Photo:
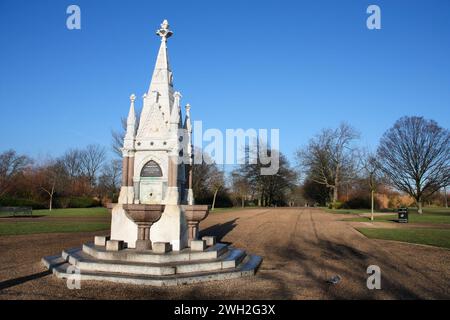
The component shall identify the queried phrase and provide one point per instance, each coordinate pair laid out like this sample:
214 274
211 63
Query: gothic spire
159 101
131 125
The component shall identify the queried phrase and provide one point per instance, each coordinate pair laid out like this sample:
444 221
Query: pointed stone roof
159 100
131 125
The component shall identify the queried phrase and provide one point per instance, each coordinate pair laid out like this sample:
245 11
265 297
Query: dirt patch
302 249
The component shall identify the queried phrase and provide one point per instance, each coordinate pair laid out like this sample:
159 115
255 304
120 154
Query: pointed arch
151 169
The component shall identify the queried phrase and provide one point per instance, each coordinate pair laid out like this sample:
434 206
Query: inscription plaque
151 169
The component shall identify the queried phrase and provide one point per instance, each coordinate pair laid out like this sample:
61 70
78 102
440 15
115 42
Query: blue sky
298 66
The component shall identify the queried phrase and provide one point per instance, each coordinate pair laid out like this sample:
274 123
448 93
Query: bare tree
329 158
117 138
241 187
371 169
109 180
92 159
208 180
50 178
216 181
72 162
414 155
11 164
270 189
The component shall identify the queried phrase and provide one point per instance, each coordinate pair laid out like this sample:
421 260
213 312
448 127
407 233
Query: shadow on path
14 282
219 230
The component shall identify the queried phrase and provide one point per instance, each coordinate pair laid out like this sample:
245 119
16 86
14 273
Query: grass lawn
347 211
16 228
75 212
430 215
433 237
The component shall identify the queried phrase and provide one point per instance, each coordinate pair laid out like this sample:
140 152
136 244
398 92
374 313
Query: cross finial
164 31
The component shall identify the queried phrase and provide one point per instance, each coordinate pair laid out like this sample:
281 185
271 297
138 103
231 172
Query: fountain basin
194 214
144 215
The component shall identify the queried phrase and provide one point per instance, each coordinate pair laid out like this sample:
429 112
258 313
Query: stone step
85 262
132 255
231 259
247 267
51 262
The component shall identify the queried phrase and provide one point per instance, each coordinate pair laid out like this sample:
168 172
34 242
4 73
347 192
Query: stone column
173 172
172 181
130 171
125 171
123 196
190 195
190 176
130 174
192 231
143 242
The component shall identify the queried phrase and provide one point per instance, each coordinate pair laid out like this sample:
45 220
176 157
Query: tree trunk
372 202
335 194
336 185
419 206
445 197
243 202
51 202
214 199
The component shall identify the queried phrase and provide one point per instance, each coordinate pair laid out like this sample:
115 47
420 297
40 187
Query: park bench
16 211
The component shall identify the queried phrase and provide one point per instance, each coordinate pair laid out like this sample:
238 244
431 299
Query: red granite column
173 172
125 171
190 176
130 171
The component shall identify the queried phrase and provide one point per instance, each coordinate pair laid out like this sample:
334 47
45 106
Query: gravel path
302 248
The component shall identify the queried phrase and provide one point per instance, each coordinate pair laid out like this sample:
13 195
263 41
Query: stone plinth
161 247
114 245
101 240
198 245
210 240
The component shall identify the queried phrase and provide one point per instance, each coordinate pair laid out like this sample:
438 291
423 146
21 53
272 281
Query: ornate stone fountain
155 224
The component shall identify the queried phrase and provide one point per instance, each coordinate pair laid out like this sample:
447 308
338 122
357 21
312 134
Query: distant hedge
83 202
75 202
18 202
357 203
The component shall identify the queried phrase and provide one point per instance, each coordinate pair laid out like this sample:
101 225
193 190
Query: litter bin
403 215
